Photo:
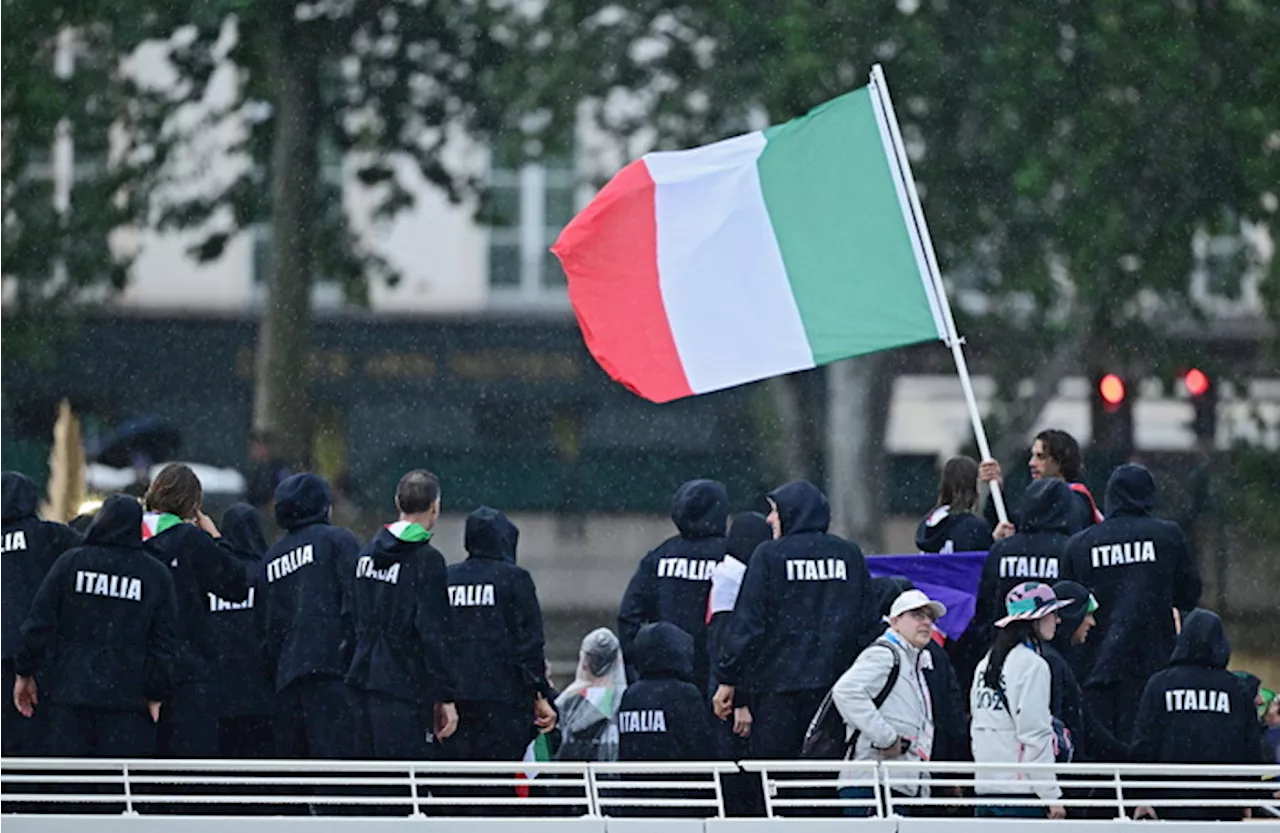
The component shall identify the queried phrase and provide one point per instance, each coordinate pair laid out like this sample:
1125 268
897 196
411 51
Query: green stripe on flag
834 208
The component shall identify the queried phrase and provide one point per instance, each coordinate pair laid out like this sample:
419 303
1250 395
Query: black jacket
663 716
102 630
1033 553
941 531
200 567
400 611
1139 568
1195 711
1080 514
496 633
749 530
246 686
672 581
806 607
305 585
28 549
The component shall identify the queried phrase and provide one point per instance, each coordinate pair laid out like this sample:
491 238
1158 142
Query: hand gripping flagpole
923 243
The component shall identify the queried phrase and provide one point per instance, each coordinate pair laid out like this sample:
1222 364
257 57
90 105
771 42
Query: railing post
716 774
766 790
1115 774
413 791
593 798
128 792
882 792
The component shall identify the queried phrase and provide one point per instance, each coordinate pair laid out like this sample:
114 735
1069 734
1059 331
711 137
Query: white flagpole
902 166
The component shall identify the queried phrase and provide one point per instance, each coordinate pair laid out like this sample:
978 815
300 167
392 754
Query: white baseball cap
914 600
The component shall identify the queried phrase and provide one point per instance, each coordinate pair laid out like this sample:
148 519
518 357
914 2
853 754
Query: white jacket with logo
907 712
1025 736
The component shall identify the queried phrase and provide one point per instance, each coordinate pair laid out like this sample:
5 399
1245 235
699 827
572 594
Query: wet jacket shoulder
101 631
497 620
663 716
400 613
1034 553
29 547
246 686
806 607
672 581
306 578
200 567
1134 564
942 531
1195 711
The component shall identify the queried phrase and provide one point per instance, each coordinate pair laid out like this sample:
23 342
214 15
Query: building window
528 206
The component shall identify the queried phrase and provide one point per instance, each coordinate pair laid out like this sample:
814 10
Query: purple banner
951 579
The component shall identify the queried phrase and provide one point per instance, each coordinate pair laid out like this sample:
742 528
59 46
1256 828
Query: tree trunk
858 393
280 393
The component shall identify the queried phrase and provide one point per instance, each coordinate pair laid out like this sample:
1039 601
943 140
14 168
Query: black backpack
825 737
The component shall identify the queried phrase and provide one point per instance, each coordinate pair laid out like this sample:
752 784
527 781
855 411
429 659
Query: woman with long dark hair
952 526
1012 722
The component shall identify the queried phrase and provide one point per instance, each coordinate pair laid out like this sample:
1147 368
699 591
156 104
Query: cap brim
938 609
1031 616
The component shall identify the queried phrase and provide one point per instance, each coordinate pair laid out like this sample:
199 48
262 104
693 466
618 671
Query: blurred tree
1067 153
276 85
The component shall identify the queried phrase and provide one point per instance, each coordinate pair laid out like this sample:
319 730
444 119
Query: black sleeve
526 631
1100 743
346 555
868 608
742 638
217 570
639 604
162 641
1187 585
61 538
431 620
987 606
699 742
977 536
1145 746
36 635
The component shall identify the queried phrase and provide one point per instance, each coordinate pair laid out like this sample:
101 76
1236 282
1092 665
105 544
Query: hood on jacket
748 531
700 508
885 589
301 500
1047 506
1073 614
663 650
491 534
802 507
396 540
118 523
242 529
1131 490
20 496
1202 642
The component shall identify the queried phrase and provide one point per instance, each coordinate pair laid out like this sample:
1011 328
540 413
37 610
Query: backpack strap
889 682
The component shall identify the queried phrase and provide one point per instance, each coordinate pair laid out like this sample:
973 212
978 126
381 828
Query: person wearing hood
673 580
246 696
497 633
663 716
805 612
1093 741
29 547
1140 569
951 526
177 532
101 635
1196 712
747 532
401 674
304 621
588 707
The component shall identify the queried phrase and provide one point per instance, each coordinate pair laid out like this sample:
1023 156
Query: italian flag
153 523
760 255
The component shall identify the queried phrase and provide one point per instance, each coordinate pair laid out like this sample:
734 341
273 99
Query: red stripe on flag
610 256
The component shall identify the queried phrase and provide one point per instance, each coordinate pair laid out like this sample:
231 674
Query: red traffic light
1111 389
1196 381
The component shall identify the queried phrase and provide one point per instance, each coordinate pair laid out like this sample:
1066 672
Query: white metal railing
33 786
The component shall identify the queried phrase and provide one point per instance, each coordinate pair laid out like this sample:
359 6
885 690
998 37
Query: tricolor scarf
153 523
409 532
